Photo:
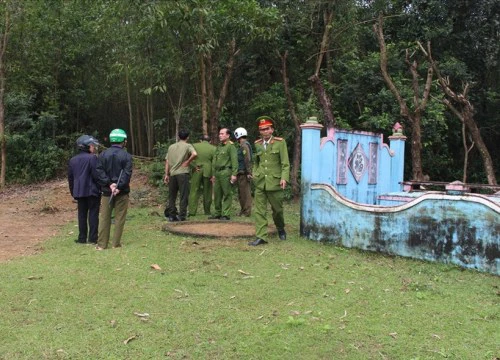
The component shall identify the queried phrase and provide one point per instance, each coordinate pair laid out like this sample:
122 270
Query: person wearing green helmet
114 171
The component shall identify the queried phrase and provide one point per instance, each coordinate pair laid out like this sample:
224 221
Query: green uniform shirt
176 155
225 159
205 152
271 164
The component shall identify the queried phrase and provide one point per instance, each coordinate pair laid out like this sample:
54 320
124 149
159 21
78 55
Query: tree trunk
130 117
466 114
204 100
139 127
324 100
3 144
317 86
481 146
205 126
216 107
177 109
297 147
212 121
227 77
413 120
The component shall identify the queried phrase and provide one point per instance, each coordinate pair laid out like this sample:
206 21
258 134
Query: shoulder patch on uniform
230 142
278 138
259 141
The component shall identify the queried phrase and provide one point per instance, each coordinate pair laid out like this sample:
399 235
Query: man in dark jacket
114 171
82 179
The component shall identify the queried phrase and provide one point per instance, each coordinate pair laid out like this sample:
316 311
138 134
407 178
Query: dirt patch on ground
214 229
32 214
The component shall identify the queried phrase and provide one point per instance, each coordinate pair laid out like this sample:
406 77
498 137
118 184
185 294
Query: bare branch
378 29
324 41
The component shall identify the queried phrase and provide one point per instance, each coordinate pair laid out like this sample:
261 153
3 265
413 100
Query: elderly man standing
224 170
200 177
82 180
114 172
271 174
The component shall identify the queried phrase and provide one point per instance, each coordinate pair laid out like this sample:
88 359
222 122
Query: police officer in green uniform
271 174
200 177
224 169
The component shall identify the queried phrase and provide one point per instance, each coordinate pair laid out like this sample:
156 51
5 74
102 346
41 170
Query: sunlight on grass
221 299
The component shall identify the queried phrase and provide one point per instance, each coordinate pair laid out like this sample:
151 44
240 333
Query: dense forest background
69 67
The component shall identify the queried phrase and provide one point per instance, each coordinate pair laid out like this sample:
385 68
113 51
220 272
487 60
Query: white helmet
240 132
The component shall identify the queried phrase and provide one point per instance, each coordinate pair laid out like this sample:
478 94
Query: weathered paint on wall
462 229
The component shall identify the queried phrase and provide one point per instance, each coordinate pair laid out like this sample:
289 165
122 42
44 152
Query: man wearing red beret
270 176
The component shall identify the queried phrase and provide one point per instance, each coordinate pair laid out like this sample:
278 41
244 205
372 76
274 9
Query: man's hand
166 178
283 184
114 189
233 179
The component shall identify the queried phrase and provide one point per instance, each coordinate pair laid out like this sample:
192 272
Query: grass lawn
221 299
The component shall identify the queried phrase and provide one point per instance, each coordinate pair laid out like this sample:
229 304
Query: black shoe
257 242
214 217
173 218
93 242
181 218
225 218
80 242
282 234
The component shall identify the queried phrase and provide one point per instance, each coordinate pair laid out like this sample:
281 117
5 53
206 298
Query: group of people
205 169
101 184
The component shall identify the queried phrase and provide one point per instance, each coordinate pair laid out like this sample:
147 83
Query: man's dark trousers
88 213
178 184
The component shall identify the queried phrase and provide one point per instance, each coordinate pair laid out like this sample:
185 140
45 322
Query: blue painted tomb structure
353 195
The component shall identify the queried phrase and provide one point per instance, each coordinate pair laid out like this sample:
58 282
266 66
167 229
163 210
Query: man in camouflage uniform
244 172
224 169
200 177
271 174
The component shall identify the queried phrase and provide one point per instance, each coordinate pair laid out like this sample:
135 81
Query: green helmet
117 136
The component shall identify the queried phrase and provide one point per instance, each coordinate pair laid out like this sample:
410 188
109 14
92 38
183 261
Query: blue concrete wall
382 166
458 229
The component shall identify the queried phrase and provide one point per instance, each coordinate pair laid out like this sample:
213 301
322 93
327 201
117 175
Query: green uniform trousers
120 206
200 185
275 198
223 193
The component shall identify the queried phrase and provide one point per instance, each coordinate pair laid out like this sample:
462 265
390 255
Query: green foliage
32 159
32 150
69 60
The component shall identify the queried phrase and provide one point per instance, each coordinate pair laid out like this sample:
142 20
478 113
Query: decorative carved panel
373 165
342 162
358 163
